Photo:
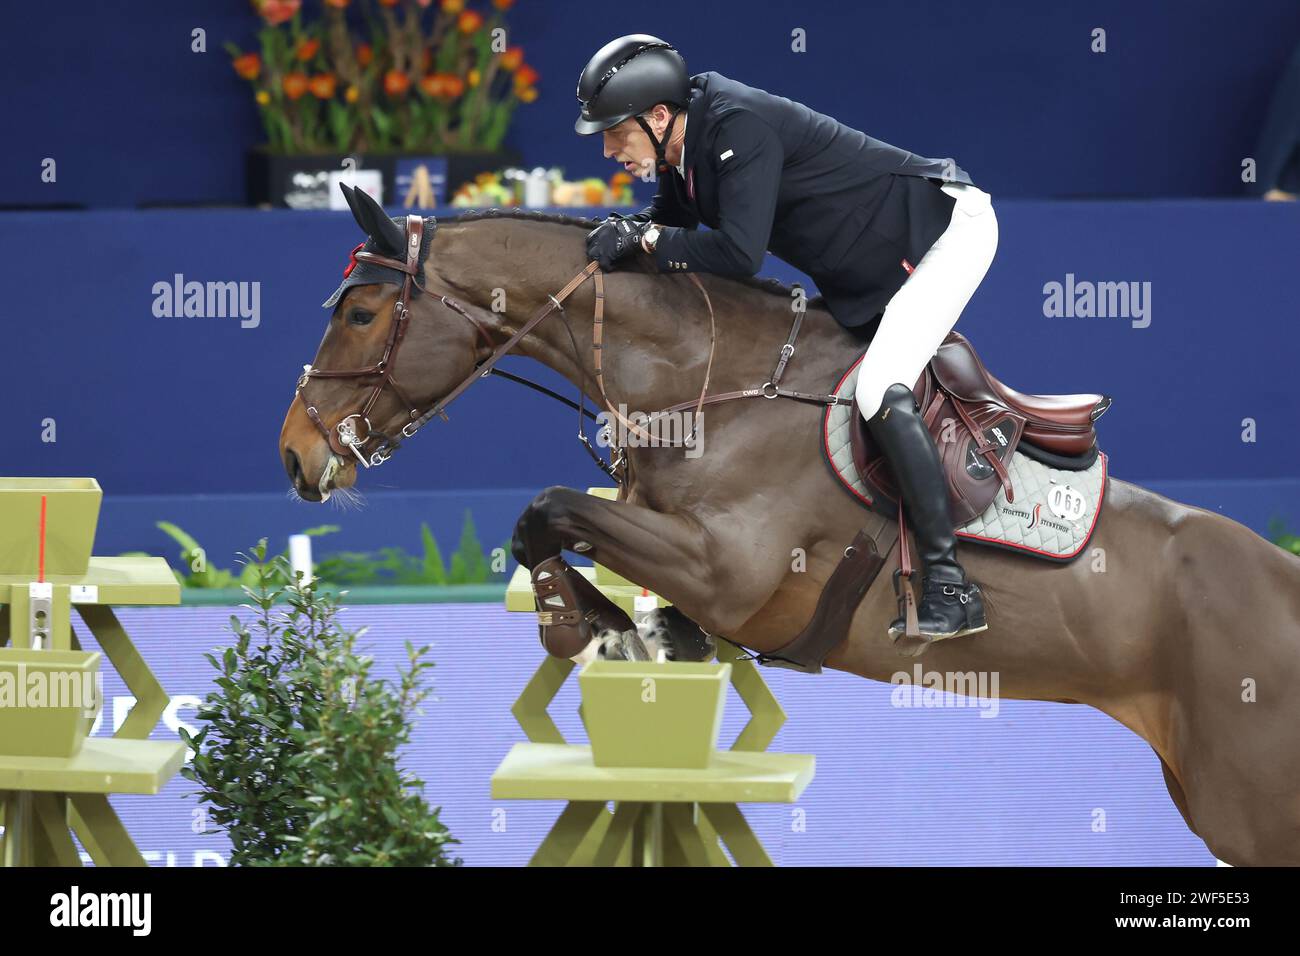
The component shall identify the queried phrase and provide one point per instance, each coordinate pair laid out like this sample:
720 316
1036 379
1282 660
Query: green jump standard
662 815
46 799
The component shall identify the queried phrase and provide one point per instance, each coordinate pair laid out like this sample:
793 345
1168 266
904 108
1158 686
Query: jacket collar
694 121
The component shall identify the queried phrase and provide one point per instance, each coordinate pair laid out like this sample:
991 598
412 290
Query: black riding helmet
625 78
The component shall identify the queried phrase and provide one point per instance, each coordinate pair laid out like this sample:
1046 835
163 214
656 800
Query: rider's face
628 143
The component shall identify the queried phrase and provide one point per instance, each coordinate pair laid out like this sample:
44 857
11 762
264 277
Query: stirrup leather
906 601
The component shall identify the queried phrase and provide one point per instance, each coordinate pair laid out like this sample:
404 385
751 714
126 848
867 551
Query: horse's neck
562 340
654 347
656 330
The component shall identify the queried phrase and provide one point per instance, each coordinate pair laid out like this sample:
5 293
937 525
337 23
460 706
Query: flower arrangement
426 75
494 189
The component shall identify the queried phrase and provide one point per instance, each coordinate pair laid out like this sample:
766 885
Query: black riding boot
950 605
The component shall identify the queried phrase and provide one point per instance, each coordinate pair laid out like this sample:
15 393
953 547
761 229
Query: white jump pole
300 555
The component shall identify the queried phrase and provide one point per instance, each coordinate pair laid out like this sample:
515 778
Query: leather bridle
345 439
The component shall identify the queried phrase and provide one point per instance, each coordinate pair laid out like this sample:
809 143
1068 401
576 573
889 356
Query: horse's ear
350 195
388 234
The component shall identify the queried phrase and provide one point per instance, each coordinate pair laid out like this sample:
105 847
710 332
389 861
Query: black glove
615 238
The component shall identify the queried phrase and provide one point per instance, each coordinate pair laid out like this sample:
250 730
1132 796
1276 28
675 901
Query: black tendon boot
950 605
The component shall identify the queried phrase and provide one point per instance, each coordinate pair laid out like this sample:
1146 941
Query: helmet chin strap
661 162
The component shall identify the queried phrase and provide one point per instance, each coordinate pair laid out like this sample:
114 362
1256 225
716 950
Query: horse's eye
360 317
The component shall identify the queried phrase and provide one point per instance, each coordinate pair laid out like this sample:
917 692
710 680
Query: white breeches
924 310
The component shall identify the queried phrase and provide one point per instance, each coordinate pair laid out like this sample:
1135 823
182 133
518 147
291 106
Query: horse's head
394 348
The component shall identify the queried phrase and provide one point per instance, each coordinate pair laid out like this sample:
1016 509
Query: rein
345 437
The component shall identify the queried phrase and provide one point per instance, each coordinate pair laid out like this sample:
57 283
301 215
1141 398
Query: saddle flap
973 482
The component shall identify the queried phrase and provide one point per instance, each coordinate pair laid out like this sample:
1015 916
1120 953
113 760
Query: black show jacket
768 173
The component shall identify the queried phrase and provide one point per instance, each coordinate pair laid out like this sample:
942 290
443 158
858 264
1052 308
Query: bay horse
1179 623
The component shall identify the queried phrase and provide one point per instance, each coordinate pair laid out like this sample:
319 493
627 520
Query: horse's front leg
665 553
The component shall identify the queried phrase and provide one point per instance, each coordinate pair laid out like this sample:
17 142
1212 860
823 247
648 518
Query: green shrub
297 758
1281 537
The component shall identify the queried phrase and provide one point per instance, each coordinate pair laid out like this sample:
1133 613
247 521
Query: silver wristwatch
650 237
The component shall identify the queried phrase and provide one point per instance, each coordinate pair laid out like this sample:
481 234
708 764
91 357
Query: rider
888 236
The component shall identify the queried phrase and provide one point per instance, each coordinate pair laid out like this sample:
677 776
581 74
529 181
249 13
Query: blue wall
1009 89
184 405
958 785
179 418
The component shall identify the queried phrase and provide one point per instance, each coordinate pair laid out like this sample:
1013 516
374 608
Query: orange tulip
503 4
470 20
352 94
389 3
364 54
322 86
295 85
511 59
453 6
447 85
473 77
396 83
307 49
620 179
337 4
527 94
276 12
248 66
525 75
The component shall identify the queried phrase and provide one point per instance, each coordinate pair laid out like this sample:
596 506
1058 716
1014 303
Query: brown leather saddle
978 422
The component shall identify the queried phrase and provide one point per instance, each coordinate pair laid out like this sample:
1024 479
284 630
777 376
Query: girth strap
844 590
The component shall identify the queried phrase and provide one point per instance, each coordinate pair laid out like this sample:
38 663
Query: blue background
179 418
1010 89
83 346
894 785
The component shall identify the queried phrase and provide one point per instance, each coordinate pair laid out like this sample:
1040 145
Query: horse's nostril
292 466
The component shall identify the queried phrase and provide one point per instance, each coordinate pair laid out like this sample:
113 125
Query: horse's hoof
671 632
622 646
609 646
